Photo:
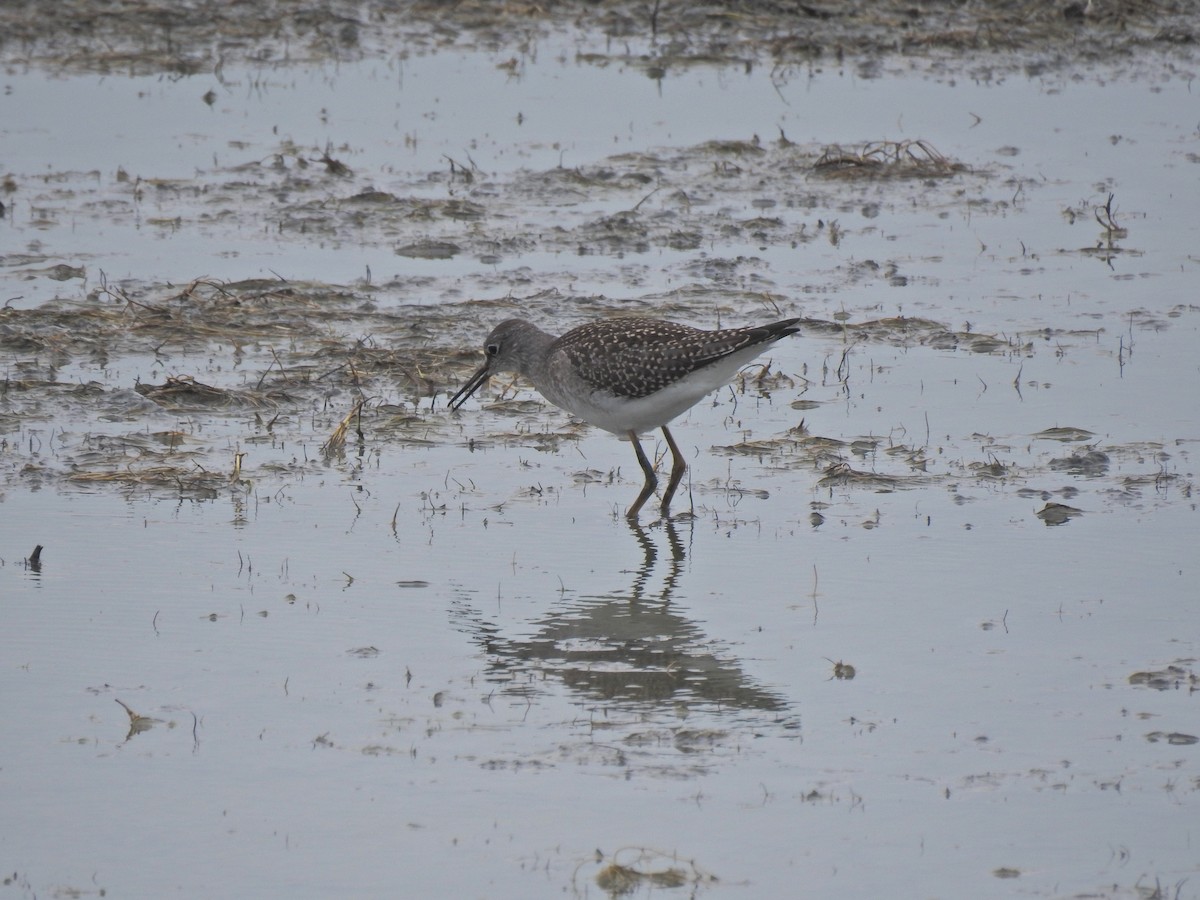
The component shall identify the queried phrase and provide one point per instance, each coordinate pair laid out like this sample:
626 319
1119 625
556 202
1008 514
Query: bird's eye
492 349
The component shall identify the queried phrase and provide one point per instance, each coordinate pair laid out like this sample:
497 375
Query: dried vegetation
149 36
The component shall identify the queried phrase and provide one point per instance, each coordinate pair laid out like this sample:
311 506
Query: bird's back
635 374
636 357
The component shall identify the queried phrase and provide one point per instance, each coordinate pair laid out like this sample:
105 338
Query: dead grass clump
1057 513
183 392
337 440
632 868
841 474
886 159
198 484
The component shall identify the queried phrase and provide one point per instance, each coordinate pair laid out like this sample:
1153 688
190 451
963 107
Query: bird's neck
534 346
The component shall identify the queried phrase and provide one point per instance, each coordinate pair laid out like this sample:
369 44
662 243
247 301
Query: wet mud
279 359
140 37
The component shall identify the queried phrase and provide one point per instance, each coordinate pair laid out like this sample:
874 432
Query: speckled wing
637 357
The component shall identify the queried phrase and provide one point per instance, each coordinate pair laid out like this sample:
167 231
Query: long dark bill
474 383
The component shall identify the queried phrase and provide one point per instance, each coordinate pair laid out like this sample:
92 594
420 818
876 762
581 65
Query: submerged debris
1172 677
633 868
843 671
1093 463
1058 513
1064 433
430 250
1177 738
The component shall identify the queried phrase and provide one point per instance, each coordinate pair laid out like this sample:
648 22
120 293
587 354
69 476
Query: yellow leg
651 480
678 467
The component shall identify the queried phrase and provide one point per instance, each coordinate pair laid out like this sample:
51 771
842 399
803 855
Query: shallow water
449 667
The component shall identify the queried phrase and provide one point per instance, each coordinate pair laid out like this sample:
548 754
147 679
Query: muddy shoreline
137 38
285 349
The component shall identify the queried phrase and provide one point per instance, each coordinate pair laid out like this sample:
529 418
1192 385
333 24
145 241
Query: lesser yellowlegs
625 375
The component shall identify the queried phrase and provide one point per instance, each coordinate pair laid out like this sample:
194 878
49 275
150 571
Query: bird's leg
678 467
651 480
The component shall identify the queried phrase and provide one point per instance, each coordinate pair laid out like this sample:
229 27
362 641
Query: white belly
623 414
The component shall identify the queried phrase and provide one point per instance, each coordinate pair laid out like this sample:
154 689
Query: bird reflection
650 557
626 648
